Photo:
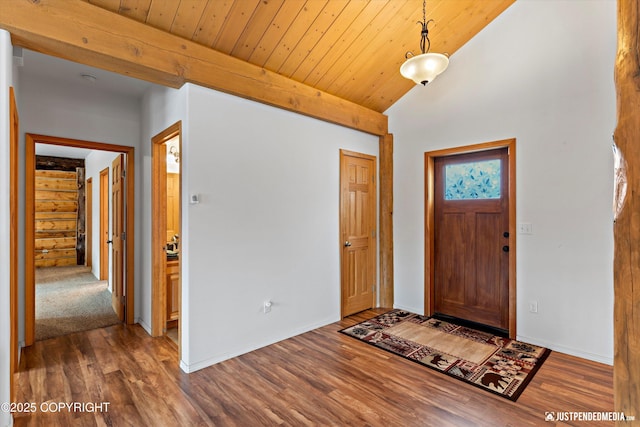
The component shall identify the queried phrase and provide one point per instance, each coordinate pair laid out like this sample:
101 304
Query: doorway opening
69 297
167 258
470 253
125 283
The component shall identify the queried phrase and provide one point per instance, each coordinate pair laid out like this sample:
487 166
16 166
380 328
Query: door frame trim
159 228
429 222
374 240
30 167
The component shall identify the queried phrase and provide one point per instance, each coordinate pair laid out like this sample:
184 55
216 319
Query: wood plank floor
317 378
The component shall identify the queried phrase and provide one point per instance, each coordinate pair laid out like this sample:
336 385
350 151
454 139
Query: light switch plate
525 228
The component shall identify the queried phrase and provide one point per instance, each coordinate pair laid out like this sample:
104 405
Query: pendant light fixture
423 68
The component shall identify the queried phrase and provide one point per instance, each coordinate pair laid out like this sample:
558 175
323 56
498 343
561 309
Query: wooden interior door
358 231
104 224
472 237
118 236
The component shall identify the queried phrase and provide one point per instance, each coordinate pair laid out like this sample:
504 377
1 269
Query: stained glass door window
473 180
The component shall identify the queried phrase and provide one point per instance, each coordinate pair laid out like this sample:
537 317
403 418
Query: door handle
347 243
109 242
505 248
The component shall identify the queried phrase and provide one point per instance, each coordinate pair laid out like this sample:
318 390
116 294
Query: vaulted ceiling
349 48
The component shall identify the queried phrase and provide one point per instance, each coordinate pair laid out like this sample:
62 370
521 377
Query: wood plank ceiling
349 48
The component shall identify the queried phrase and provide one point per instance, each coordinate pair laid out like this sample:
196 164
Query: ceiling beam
84 33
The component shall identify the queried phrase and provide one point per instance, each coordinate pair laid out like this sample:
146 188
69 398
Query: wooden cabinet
173 290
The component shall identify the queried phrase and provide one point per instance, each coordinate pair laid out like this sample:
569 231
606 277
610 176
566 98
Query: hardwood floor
317 378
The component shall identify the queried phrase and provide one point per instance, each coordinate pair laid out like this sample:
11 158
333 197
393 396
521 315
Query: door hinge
124 173
122 299
123 235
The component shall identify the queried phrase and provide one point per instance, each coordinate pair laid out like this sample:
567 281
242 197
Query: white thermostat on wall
194 199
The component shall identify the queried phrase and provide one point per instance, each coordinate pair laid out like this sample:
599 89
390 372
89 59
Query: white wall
266 226
6 80
542 72
58 108
94 163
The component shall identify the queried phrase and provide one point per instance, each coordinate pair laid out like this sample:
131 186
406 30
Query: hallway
71 299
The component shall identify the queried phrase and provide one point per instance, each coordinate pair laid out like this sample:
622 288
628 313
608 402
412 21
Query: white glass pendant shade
423 68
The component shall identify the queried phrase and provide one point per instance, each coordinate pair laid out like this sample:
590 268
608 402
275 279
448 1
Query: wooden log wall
81 245
626 230
56 215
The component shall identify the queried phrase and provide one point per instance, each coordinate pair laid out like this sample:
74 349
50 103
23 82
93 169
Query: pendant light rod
424 34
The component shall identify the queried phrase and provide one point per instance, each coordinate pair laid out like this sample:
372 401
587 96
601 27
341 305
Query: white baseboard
193 367
567 350
142 323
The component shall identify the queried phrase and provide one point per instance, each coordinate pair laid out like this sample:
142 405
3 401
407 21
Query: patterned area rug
499 365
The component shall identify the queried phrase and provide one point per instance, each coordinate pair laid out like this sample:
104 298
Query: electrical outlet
267 306
533 306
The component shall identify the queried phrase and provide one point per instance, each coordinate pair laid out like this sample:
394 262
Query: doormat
499 365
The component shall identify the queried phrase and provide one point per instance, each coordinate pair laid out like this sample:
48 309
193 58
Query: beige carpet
70 299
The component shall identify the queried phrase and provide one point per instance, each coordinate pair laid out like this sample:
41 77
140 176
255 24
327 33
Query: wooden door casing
30 166
430 224
358 231
159 236
471 263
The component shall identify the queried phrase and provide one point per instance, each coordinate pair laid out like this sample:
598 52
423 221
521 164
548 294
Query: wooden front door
118 236
472 237
358 231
